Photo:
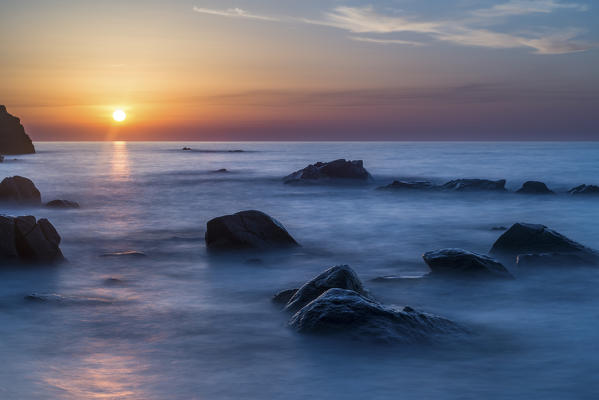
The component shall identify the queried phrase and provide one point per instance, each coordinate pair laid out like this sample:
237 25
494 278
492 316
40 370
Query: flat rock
62 204
340 171
247 230
18 189
13 139
534 187
585 190
346 312
464 263
468 185
410 185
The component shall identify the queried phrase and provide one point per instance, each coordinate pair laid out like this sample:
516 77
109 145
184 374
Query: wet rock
467 185
346 312
401 185
8 246
18 189
186 148
283 296
464 263
13 139
334 171
62 204
339 276
221 171
1 158
556 259
524 238
534 187
126 253
37 241
585 190
247 230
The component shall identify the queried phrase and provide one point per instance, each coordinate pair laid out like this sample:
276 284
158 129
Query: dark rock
534 187
399 185
556 259
467 185
1 158
8 247
62 204
18 189
113 282
37 242
283 296
221 171
339 276
464 263
186 148
236 151
585 190
13 139
345 312
532 238
247 230
339 170
126 253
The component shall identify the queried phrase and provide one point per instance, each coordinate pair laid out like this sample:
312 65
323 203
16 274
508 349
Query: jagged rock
524 238
467 185
247 230
464 263
126 253
283 296
62 204
26 240
339 276
345 312
585 190
18 189
334 171
556 259
399 185
13 139
534 187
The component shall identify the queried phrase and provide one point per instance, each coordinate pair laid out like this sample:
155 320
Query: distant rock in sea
25 240
221 171
247 230
18 189
534 187
338 171
186 148
62 204
585 190
400 185
13 139
468 185
464 263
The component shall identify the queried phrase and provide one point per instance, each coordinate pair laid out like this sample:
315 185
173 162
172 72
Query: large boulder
13 139
401 185
26 240
339 276
585 190
346 312
18 189
342 171
247 230
534 187
468 185
464 263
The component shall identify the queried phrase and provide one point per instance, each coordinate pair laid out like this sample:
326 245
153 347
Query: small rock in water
468 185
340 171
534 187
399 185
585 190
62 204
18 189
113 281
220 171
186 148
464 263
126 253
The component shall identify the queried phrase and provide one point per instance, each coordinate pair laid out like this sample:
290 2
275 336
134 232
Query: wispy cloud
523 7
233 13
385 41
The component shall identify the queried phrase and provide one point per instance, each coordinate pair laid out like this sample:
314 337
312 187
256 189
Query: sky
302 70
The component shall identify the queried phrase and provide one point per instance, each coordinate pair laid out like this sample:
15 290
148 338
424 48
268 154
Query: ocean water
183 324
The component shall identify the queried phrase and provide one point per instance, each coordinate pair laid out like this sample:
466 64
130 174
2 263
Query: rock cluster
23 239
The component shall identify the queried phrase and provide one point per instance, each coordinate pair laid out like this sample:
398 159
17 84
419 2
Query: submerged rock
346 312
247 230
67 300
13 139
339 276
466 185
534 187
464 263
221 171
18 189
585 190
556 259
284 296
334 171
400 185
126 253
62 204
25 240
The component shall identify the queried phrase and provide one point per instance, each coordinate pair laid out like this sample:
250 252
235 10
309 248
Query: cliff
13 139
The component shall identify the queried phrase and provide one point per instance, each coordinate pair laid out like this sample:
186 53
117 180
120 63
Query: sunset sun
119 115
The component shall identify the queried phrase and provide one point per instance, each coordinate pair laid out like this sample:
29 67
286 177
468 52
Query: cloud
385 41
523 7
233 13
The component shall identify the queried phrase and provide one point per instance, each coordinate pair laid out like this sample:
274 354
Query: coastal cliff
13 139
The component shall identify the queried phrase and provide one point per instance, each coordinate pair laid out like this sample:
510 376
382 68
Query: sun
119 115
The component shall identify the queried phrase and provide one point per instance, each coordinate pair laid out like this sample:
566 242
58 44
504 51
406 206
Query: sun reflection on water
120 162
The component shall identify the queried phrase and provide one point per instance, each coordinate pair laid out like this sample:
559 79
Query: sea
184 323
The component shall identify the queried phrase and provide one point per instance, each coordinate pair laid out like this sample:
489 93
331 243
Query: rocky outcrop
13 139
534 187
338 171
62 204
18 189
247 230
346 312
585 190
339 276
468 185
410 185
464 263
23 239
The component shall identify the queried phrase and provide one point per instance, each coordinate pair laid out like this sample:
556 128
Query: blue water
180 324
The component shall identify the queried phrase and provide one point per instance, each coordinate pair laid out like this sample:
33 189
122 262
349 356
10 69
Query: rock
283 296
8 247
464 263
221 171
585 190
36 242
247 230
399 185
18 189
13 139
113 282
62 204
524 238
467 185
334 171
126 253
67 300
534 187
186 148
1 158
345 312
339 276
556 259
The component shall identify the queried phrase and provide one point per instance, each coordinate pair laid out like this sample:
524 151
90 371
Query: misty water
183 324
